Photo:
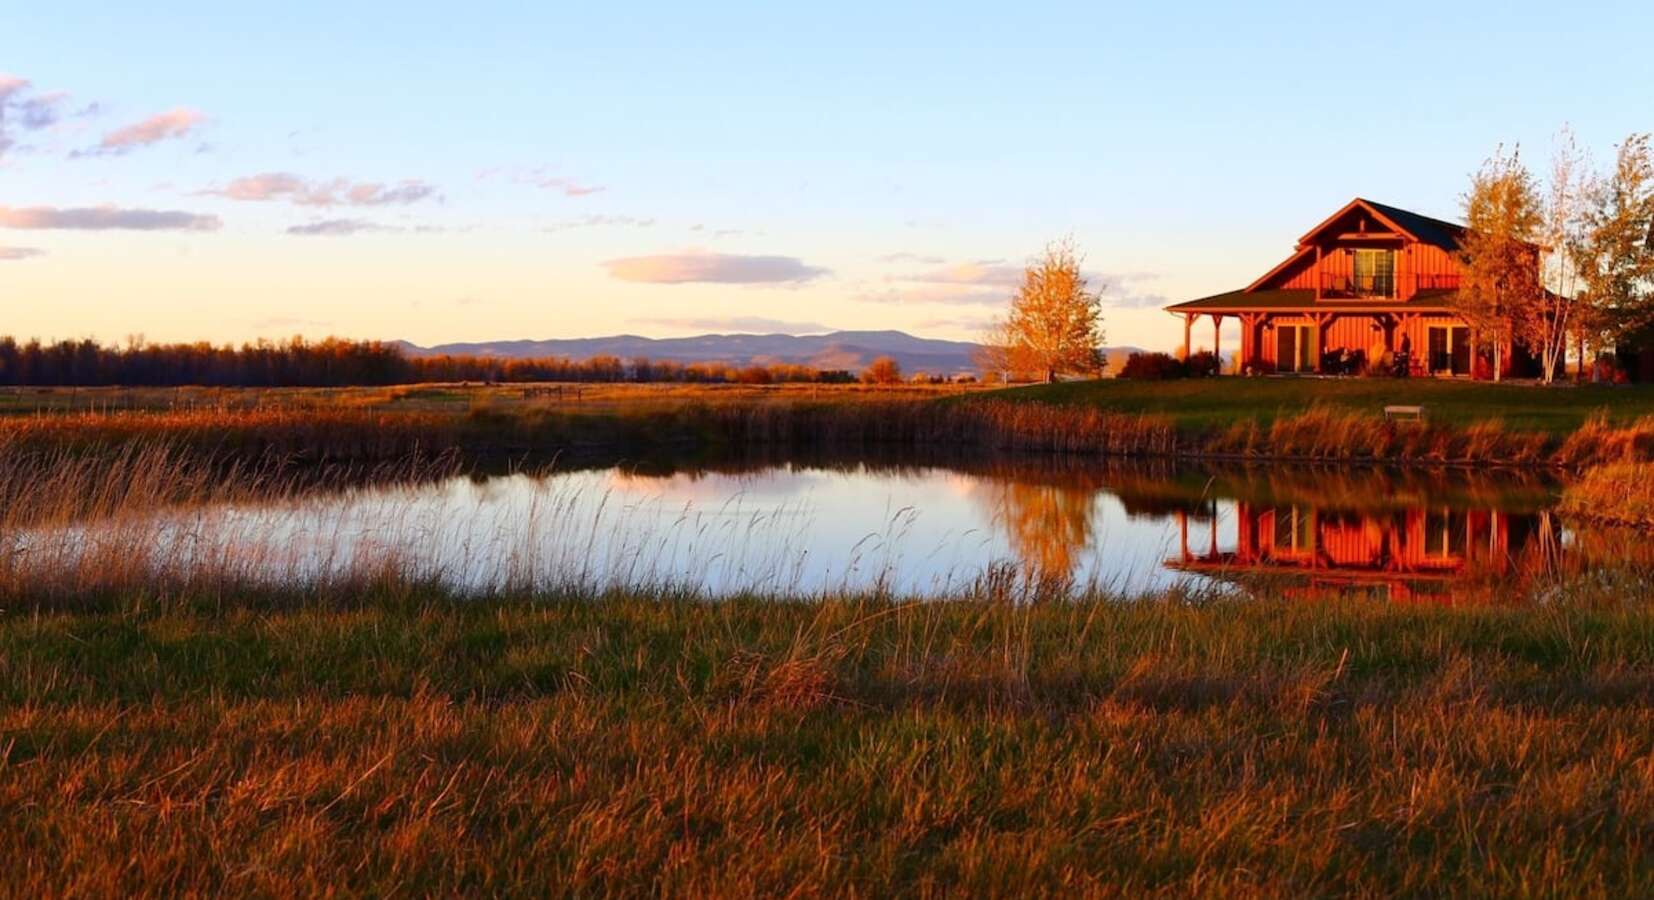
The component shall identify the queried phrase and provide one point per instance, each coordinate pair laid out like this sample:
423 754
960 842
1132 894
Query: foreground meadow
390 740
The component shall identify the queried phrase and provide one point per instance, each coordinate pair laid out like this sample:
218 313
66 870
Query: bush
1153 367
1203 365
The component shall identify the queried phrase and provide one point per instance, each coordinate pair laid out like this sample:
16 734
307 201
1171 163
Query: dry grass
1615 493
619 420
416 744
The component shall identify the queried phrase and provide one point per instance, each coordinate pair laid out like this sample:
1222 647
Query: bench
1414 413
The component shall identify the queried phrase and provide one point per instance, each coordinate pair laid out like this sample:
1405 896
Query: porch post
1315 344
1188 322
1217 329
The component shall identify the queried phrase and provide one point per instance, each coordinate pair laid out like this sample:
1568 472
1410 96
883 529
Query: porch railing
1381 286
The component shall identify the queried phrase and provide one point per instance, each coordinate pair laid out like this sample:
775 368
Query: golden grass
412 743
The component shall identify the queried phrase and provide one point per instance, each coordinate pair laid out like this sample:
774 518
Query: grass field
396 742
1208 404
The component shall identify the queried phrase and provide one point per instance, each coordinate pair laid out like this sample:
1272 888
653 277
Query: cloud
105 218
599 221
30 113
170 125
339 228
948 293
267 186
541 178
1122 292
979 273
913 258
746 324
697 267
14 253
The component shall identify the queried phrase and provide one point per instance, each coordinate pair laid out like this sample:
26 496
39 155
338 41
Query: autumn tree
1500 290
1055 322
884 370
1616 252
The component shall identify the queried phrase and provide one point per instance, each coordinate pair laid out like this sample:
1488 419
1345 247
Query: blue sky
438 172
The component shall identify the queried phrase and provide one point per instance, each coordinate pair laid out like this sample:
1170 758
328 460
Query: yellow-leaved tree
1055 325
1500 293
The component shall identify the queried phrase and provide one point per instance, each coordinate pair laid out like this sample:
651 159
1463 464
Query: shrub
1153 367
1203 365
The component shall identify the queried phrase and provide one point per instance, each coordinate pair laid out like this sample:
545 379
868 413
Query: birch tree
1498 253
1560 308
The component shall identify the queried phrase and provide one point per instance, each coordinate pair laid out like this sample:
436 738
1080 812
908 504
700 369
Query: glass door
1449 347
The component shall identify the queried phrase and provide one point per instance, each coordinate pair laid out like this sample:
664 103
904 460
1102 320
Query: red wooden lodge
1369 285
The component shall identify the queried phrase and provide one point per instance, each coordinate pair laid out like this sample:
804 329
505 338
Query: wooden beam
1188 322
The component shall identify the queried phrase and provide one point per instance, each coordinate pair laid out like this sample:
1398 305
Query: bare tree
1500 292
1561 305
1055 322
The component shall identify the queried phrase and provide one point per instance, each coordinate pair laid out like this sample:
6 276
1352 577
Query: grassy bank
1209 405
1257 419
395 741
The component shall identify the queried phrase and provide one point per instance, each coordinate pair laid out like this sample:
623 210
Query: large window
1375 273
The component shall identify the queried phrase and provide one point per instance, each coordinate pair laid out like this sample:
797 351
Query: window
1375 273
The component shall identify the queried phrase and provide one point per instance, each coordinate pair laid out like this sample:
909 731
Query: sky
487 171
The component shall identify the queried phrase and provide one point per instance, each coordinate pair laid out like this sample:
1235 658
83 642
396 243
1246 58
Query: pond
910 528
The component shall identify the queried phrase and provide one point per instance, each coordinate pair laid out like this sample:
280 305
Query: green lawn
1201 404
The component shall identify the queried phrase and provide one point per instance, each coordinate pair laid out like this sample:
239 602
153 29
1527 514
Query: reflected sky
809 529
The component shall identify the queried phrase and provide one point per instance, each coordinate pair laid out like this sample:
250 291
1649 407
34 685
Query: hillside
851 350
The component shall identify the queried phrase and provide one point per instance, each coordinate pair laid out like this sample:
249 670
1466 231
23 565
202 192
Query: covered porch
1282 332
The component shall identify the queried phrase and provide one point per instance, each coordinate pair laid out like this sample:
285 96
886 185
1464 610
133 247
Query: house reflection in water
1401 554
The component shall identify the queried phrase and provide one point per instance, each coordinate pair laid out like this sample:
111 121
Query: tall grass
414 744
849 422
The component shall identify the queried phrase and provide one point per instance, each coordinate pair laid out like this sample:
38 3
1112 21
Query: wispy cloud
173 124
105 218
600 221
267 186
712 268
339 228
978 273
906 257
741 324
15 253
25 110
543 178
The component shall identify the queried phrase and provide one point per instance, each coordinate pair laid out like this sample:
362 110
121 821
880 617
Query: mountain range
851 350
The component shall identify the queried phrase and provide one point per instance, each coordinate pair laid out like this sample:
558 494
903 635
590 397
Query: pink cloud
105 218
337 192
15 253
172 124
711 268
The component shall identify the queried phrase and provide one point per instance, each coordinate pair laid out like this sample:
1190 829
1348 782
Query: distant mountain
851 350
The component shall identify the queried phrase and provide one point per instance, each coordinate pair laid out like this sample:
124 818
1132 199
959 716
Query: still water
912 528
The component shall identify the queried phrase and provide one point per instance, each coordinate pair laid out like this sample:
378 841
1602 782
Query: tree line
337 362
1569 261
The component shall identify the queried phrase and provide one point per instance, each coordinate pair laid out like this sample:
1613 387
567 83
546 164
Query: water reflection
917 528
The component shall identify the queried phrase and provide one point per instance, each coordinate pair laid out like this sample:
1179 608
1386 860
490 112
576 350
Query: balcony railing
1382 287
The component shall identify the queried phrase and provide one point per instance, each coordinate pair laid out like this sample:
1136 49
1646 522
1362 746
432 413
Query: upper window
1375 273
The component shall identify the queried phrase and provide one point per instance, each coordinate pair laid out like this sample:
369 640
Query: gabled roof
1286 300
1437 232
1420 227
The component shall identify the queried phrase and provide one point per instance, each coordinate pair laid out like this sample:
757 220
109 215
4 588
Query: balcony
1382 286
